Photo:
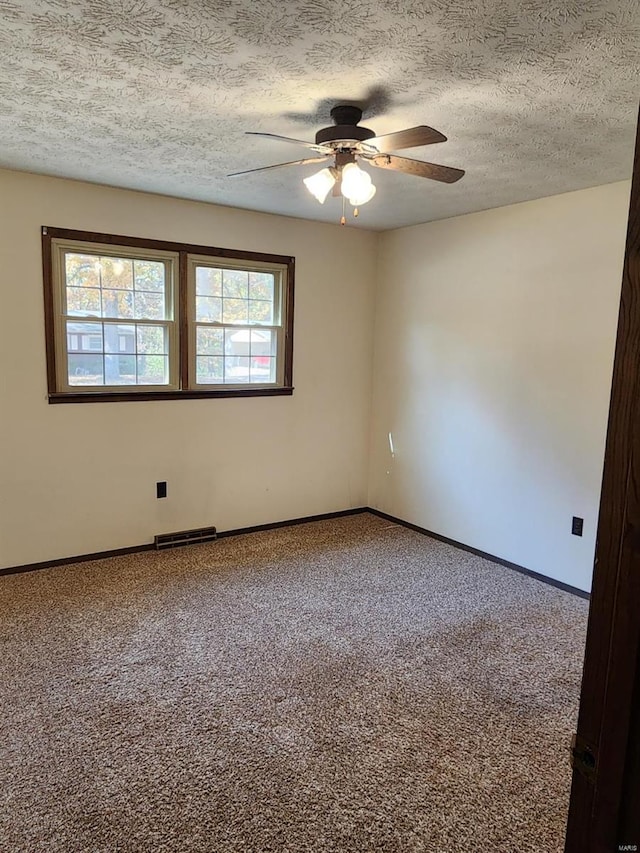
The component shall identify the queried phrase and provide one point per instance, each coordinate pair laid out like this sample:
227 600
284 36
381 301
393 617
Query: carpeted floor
345 686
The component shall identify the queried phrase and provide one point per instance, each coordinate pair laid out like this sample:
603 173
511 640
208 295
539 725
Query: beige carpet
345 686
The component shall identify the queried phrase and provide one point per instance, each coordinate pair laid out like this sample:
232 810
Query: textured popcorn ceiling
536 96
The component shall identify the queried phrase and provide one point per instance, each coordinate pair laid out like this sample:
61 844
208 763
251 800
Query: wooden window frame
184 253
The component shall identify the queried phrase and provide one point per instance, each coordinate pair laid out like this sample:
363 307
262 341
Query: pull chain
343 221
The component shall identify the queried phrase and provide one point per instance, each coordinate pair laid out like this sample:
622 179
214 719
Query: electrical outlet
161 490
576 525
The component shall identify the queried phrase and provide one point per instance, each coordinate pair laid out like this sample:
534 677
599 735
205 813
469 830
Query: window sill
118 397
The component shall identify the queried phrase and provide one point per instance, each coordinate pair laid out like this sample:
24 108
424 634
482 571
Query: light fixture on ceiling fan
346 143
355 184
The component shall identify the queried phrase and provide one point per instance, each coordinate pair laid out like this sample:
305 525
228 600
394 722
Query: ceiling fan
345 143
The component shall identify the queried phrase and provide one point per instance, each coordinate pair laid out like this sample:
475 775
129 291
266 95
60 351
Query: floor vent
185 537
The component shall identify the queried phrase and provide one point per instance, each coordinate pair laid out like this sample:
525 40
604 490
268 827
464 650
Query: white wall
75 479
494 345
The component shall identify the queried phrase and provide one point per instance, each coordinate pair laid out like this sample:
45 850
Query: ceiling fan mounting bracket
346 114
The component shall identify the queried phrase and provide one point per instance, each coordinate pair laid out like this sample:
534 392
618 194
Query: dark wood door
604 810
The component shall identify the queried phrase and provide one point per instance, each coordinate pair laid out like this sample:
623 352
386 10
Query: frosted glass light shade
356 185
363 197
320 184
354 180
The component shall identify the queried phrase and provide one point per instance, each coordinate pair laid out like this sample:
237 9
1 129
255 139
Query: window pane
85 369
126 366
236 369
117 273
151 340
149 306
82 270
83 300
260 311
112 337
263 369
209 341
149 275
235 311
117 303
208 309
236 341
261 285
209 370
235 283
120 337
119 369
153 369
208 281
262 342
83 336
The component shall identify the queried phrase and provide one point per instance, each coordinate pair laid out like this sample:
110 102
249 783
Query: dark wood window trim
183 250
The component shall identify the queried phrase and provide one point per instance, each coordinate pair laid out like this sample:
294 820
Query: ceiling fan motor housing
345 128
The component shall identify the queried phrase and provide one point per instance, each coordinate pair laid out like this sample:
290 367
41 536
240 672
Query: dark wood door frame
603 816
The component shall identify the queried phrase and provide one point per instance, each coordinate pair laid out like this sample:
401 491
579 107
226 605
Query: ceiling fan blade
288 139
447 174
279 166
409 138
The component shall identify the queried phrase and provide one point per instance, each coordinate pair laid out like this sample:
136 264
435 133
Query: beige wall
494 340
494 343
76 479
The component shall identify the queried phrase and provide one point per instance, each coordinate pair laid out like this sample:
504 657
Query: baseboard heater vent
184 537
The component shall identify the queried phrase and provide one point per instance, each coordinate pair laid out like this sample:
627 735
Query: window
142 319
